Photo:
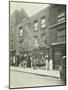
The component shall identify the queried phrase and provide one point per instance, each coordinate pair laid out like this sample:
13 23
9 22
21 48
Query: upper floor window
44 39
61 34
21 31
35 25
61 16
36 43
43 22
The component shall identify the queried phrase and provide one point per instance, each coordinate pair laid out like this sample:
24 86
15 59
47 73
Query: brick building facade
42 36
57 33
15 19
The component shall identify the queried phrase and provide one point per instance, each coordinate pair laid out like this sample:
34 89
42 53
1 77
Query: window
43 22
35 25
61 19
61 16
36 43
44 39
61 35
21 31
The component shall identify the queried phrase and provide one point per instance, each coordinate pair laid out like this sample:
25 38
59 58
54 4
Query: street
21 79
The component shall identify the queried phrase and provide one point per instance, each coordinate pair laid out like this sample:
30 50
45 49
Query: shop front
40 58
58 51
37 57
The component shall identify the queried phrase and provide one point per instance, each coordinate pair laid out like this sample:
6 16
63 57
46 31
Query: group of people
31 62
25 61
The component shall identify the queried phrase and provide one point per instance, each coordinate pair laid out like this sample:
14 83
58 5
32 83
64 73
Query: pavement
48 73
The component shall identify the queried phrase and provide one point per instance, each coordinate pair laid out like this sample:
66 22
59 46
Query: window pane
35 25
61 38
20 31
61 33
36 43
61 19
35 29
60 15
43 21
43 25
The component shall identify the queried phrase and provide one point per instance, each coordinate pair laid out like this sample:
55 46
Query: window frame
35 25
36 42
60 16
43 22
61 35
20 31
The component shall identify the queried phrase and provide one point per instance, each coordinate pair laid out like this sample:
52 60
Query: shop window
43 22
35 25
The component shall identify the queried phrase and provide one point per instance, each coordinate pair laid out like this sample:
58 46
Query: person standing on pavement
29 62
34 63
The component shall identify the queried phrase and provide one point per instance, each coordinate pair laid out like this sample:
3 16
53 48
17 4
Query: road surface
21 79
